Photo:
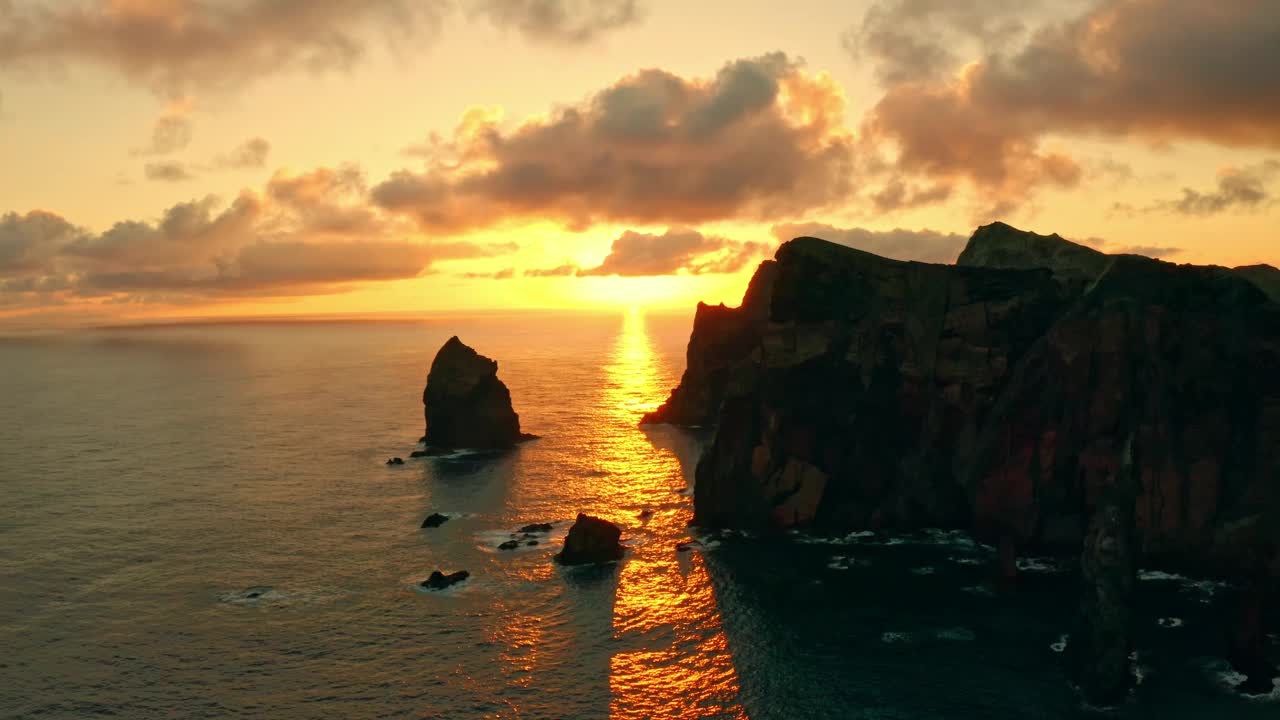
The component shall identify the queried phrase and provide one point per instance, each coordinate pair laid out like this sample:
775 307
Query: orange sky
172 158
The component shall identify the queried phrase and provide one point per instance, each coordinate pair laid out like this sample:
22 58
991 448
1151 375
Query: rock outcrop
440 581
851 391
1102 639
722 342
466 405
591 540
435 520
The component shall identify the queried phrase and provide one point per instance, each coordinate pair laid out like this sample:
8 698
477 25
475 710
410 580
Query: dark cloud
252 153
571 22
1159 70
28 242
921 245
677 250
921 40
167 171
309 233
760 139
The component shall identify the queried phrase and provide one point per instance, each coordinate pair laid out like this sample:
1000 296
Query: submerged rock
465 404
535 528
435 520
440 581
509 545
591 540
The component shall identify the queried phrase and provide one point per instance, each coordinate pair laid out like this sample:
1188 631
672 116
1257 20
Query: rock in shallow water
509 545
591 540
536 528
465 404
440 581
395 461
435 520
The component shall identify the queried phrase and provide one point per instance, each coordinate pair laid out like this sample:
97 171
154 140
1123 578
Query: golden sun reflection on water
673 659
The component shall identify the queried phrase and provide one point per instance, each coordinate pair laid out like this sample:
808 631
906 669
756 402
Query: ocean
196 521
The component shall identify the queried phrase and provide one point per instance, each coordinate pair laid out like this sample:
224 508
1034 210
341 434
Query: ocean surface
197 522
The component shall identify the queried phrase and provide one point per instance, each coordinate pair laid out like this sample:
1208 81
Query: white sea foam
1169 622
844 562
1229 679
1060 645
1037 565
1204 589
957 634
979 590
961 560
891 638
923 570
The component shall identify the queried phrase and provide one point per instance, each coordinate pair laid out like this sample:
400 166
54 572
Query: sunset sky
188 158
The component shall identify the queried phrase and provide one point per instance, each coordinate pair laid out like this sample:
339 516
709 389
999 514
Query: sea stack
1102 639
465 404
591 540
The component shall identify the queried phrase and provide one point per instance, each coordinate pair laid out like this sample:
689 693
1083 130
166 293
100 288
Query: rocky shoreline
1038 394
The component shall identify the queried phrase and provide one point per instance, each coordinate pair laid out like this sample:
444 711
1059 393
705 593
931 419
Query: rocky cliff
852 391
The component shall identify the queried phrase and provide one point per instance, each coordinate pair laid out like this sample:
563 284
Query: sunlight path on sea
672 659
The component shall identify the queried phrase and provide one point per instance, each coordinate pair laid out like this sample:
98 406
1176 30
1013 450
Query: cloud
635 254
307 233
759 140
568 22
1157 70
1147 250
504 274
921 245
282 267
172 130
566 270
897 195
167 171
28 242
1238 189
918 40
176 46
252 153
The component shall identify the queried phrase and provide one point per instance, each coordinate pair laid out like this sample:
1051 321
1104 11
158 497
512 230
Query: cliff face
876 393
720 346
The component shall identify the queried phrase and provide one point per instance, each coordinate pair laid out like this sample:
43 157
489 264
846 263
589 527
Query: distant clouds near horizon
968 111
